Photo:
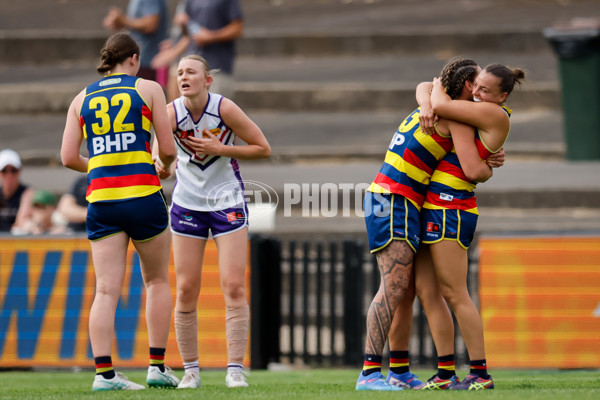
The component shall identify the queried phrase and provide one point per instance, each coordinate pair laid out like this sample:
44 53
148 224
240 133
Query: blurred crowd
208 28
26 211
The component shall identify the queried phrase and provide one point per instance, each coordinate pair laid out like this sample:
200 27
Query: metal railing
309 304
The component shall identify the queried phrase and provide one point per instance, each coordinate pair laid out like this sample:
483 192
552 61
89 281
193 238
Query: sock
104 367
234 366
399 363
479 367
192 367
157 358
446 369
372 364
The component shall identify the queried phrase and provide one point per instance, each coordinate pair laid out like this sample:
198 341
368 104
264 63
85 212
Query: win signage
47 289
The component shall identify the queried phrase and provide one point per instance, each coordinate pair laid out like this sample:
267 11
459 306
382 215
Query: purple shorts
199 224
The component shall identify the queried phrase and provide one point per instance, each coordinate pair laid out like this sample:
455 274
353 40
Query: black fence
309 303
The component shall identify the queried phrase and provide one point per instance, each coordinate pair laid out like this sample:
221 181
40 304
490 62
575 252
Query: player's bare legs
154 256
109 258
395 267
430 296
399 338
451 265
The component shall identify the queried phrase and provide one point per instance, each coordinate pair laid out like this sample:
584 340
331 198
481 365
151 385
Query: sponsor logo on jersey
214 131
112 81
446 197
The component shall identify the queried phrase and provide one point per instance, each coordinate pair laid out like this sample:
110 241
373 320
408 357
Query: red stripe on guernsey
444 142
452 169
396 187
146 112
123 181
81 121
104 365
457 204
415 160
483 152
371 364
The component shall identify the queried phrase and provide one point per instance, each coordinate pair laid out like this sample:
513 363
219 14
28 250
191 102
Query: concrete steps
297 136
550 189
333 83
328 82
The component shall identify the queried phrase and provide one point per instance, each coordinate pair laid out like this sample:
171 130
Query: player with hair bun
449 218
392 205
115 116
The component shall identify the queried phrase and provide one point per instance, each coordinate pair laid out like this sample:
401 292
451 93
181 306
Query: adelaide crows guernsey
116 122
410 160
450 188
205 182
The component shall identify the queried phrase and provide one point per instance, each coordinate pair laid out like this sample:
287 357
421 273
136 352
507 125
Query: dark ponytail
118 48
508 76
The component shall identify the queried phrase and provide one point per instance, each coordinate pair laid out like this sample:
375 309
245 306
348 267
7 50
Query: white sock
233 367
192 367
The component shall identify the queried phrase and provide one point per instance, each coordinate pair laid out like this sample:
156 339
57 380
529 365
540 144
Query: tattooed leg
395 267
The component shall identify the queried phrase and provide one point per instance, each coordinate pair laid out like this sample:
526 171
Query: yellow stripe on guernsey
146 123
122 193
431 144
405 166
452 181
133 157
126 192
430 206
375 188
414 172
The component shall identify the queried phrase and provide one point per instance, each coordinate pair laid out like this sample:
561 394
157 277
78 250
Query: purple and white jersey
205 182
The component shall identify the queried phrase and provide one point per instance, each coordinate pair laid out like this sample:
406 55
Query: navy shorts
200 224
140 218
391 217
448 224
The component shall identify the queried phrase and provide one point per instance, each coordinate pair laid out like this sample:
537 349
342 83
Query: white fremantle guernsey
205 182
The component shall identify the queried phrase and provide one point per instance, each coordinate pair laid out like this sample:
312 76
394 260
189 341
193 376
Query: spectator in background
42 221
147 22
73 205
15 197
209 28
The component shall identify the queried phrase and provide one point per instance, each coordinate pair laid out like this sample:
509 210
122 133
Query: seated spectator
73 205
42 221
15 197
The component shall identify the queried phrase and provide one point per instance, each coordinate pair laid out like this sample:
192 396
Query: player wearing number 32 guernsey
115 116
116 98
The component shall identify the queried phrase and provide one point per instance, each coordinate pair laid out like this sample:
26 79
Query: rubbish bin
578 50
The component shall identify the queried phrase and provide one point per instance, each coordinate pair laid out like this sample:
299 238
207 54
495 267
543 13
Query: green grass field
301 384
